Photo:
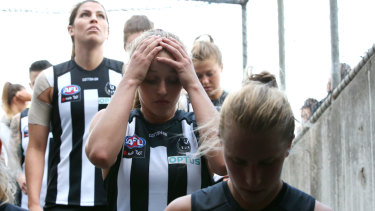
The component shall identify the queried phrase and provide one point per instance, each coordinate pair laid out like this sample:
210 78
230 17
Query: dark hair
135 24
40 65
9 91
73 16
344 70
264 77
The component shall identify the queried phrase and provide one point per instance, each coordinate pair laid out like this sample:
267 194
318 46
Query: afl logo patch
25 131
71 93
134 147
110 89
70 90
183 145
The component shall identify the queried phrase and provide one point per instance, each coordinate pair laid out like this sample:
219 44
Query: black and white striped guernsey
78 96
156 164
24 130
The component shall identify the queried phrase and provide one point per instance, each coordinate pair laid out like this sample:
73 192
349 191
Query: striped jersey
157 163
78 95
187 106
24 129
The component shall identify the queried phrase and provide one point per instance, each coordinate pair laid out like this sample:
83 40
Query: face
159 92
305 114
33 76
90 24
254 163
208 72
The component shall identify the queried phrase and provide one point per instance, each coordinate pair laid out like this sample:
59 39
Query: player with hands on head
148 155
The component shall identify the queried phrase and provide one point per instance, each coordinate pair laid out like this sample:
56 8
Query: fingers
174 47
149 44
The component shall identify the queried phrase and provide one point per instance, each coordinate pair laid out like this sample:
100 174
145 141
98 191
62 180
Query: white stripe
193 171
158 179
88 169
43 190
114 77
123 178
66 145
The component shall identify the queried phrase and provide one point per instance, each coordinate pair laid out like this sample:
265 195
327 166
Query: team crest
25 131
134 147
110 89
71 93
183 145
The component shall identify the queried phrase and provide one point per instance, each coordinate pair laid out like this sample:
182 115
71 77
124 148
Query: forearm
34 162
108 130
208 120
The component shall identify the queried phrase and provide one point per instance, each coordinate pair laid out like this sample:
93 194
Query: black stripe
139 186
54 153
78 127
177 173
110 183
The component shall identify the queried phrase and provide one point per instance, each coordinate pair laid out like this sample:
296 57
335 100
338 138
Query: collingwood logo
109 89
183 145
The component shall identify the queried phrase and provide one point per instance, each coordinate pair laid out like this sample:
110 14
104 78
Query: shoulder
10 207
293 198
114 64
183 115
321 207
180 204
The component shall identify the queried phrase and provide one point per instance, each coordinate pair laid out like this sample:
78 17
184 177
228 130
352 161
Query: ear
289 147
70 30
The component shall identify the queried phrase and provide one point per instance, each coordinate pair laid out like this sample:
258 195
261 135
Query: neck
88 58
155 119
217 94
254 205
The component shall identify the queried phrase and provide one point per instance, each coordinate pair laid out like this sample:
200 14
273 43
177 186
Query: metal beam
241 2
282 73
335 52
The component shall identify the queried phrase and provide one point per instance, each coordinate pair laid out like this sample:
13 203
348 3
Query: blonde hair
135 44
258 108
7 184
203 50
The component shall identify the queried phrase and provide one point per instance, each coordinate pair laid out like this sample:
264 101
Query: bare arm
109 128
321 207
180 204
34 163
203 108
38 137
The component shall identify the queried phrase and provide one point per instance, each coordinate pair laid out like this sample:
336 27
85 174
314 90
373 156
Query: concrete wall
334 159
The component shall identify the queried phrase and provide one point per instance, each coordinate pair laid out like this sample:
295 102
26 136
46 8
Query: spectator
308 109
